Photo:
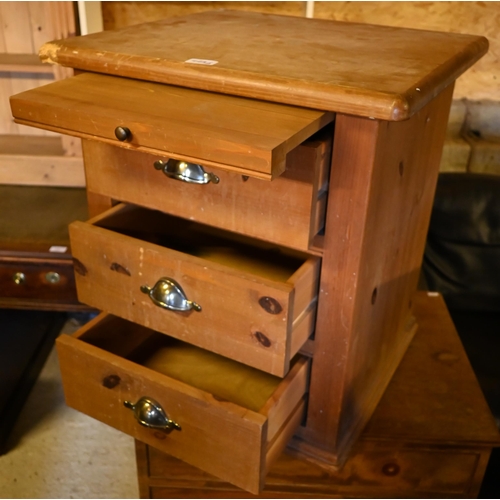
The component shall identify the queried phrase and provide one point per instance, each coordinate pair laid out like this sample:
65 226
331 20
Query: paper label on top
204 62
58 249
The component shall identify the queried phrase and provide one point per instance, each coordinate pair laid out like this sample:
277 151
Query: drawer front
31 278
261 320
372 472
288 211
223 438
244 135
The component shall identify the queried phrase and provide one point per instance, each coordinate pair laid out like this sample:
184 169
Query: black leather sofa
462 261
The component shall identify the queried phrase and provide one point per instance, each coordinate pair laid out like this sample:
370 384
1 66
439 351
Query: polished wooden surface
244 135
34 241
227 439
479 83
289 211
366 70
429 437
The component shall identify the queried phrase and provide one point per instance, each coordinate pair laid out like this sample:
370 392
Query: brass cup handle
167 293
149 413
19 278
186 172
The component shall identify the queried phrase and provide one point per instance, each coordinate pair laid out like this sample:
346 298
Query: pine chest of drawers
261 188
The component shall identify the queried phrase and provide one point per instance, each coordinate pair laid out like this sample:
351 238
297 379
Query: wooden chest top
375 71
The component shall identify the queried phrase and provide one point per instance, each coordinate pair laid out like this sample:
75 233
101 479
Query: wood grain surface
251 136
430 436
367 70
381 189
289 211
233 283
217 435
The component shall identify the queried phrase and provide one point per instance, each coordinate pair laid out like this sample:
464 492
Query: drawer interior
233 420
225 379
239 252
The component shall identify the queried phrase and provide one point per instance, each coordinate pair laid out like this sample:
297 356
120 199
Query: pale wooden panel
482 81
25 27
18 39
63 26
121 14
7 125
25 63
41 170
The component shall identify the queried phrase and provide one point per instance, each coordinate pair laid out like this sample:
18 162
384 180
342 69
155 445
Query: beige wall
482 81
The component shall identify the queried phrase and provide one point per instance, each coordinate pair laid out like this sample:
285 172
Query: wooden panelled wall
29 155
473 142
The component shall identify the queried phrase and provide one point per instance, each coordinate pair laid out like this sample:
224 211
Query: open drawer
241 298
244 135
216 414
289 211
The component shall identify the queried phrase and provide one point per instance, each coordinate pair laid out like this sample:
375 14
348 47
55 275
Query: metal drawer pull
19 278
53 277
167 293
123 133
149 413
187 172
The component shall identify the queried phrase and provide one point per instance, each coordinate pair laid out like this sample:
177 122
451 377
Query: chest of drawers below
375 470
